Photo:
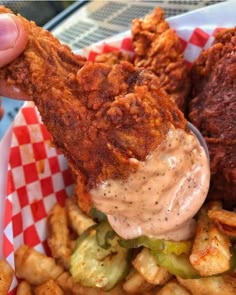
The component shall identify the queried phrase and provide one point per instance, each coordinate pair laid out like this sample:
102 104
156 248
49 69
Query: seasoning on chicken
117 127
213 109
113 57
158 48
99 116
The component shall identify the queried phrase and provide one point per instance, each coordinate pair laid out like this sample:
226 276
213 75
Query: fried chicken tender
212 111
99 116
158 48
112 58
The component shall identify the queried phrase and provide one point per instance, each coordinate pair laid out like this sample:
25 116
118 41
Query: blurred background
39 11
82 23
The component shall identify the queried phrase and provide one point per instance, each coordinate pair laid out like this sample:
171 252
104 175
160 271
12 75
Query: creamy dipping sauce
161 198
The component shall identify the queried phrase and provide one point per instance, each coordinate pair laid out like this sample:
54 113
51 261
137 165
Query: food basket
34 175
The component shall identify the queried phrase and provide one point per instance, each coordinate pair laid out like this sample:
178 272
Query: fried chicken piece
112 58
99 116
158 48
44 57
212 111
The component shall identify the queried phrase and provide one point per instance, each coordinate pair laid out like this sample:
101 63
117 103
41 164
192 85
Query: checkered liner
38 174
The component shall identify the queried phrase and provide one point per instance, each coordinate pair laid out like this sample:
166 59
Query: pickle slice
97 214
104 234
178 265
94 266
164 246
181 266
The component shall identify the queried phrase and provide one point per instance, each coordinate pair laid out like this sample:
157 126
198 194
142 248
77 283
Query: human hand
13 40
1 109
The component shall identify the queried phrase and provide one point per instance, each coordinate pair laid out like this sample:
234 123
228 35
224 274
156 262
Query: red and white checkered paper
38 175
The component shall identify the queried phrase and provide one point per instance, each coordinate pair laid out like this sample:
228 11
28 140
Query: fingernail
8 32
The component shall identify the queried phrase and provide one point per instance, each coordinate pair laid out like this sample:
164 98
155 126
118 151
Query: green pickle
164 246
102 259
97 214
94 266
181 266
178 265
104 234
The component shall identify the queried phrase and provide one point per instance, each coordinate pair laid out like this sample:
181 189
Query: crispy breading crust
99 116
113 57
212 111
158 48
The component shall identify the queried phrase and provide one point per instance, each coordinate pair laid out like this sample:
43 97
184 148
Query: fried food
225 220
44 57
173 288
99 116
146 264
42 272
79 222
49 288
214 285
158 48
6 276
135 283
59 235
36 268
210 254
24 288
66 282
112 58
212 111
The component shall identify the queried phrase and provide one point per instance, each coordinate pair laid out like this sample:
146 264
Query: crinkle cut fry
210 253
213 285
24 288
36 268
99 116
59 236
48 288
6 276
78 221
225 220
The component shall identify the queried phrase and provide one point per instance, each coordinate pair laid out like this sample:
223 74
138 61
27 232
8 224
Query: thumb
13 38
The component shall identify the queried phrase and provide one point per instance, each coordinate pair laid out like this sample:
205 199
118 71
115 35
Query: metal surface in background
39 11
101 19
86 22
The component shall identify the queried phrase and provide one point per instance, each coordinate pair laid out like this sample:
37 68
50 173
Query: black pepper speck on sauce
160 199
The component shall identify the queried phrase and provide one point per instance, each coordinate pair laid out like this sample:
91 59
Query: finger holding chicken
120 131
